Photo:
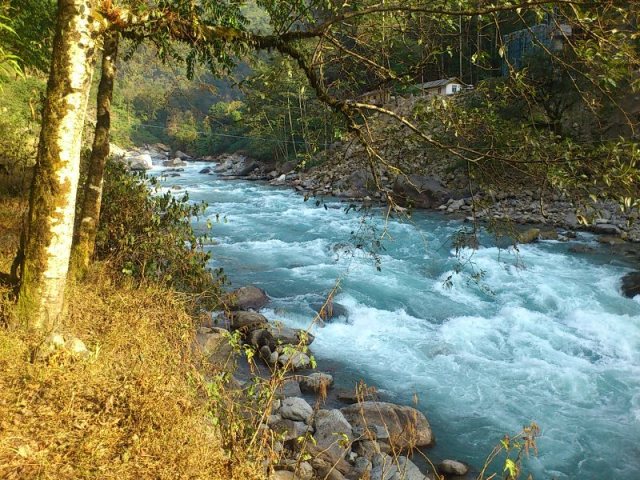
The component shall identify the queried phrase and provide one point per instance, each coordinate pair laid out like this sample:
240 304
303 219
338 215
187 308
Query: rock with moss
529 236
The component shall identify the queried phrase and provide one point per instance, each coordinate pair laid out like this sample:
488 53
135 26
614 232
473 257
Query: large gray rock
631 284
182 156
296 409
386 467
214 343
248 298
290 429
246 167
333 435
290 336
356 395
289 388
295 360
405 426
247 321
316 382
419 191
139 162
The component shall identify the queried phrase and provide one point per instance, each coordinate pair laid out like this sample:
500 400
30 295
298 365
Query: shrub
148 236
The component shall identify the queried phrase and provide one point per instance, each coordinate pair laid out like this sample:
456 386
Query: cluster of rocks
366 438
144 158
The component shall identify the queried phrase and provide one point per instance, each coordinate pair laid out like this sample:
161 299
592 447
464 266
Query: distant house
445 86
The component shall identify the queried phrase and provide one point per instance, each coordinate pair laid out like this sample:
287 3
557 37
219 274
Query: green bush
148 236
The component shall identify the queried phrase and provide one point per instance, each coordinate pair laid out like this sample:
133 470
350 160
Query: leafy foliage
33 22
148 236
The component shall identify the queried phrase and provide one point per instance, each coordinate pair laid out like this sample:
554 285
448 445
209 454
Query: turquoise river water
543 336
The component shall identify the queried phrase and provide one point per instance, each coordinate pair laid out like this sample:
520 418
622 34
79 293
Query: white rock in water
453 467
139 162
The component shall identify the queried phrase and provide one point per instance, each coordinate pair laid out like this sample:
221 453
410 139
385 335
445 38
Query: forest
133 338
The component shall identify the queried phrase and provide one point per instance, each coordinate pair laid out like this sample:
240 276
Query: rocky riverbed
347 178
362 438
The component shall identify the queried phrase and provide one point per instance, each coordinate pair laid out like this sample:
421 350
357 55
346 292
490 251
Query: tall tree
85 235
48 233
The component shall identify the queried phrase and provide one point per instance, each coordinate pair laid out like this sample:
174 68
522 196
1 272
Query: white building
445 86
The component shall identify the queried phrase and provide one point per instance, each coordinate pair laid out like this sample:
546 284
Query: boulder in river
247 321
529 236
183 156
420 191
248 298
405 426
330 310
206 170
453 467
176 162
631 284
139 162
581 248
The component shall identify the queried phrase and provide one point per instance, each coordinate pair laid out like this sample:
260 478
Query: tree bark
85 236
49 229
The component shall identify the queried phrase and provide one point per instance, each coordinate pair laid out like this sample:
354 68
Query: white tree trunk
47 243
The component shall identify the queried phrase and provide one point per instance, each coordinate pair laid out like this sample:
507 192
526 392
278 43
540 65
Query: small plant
515 449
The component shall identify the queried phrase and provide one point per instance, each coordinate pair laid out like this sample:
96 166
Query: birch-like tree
48 234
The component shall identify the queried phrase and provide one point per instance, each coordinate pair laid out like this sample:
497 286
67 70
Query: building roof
438 83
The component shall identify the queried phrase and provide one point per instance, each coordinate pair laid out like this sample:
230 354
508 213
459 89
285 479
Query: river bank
346 177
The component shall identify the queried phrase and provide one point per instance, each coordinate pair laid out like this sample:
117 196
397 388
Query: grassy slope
136 407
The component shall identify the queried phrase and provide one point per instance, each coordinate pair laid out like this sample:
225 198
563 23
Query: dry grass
138 406
134 408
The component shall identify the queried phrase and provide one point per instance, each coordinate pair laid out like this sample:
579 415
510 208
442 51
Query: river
538 334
